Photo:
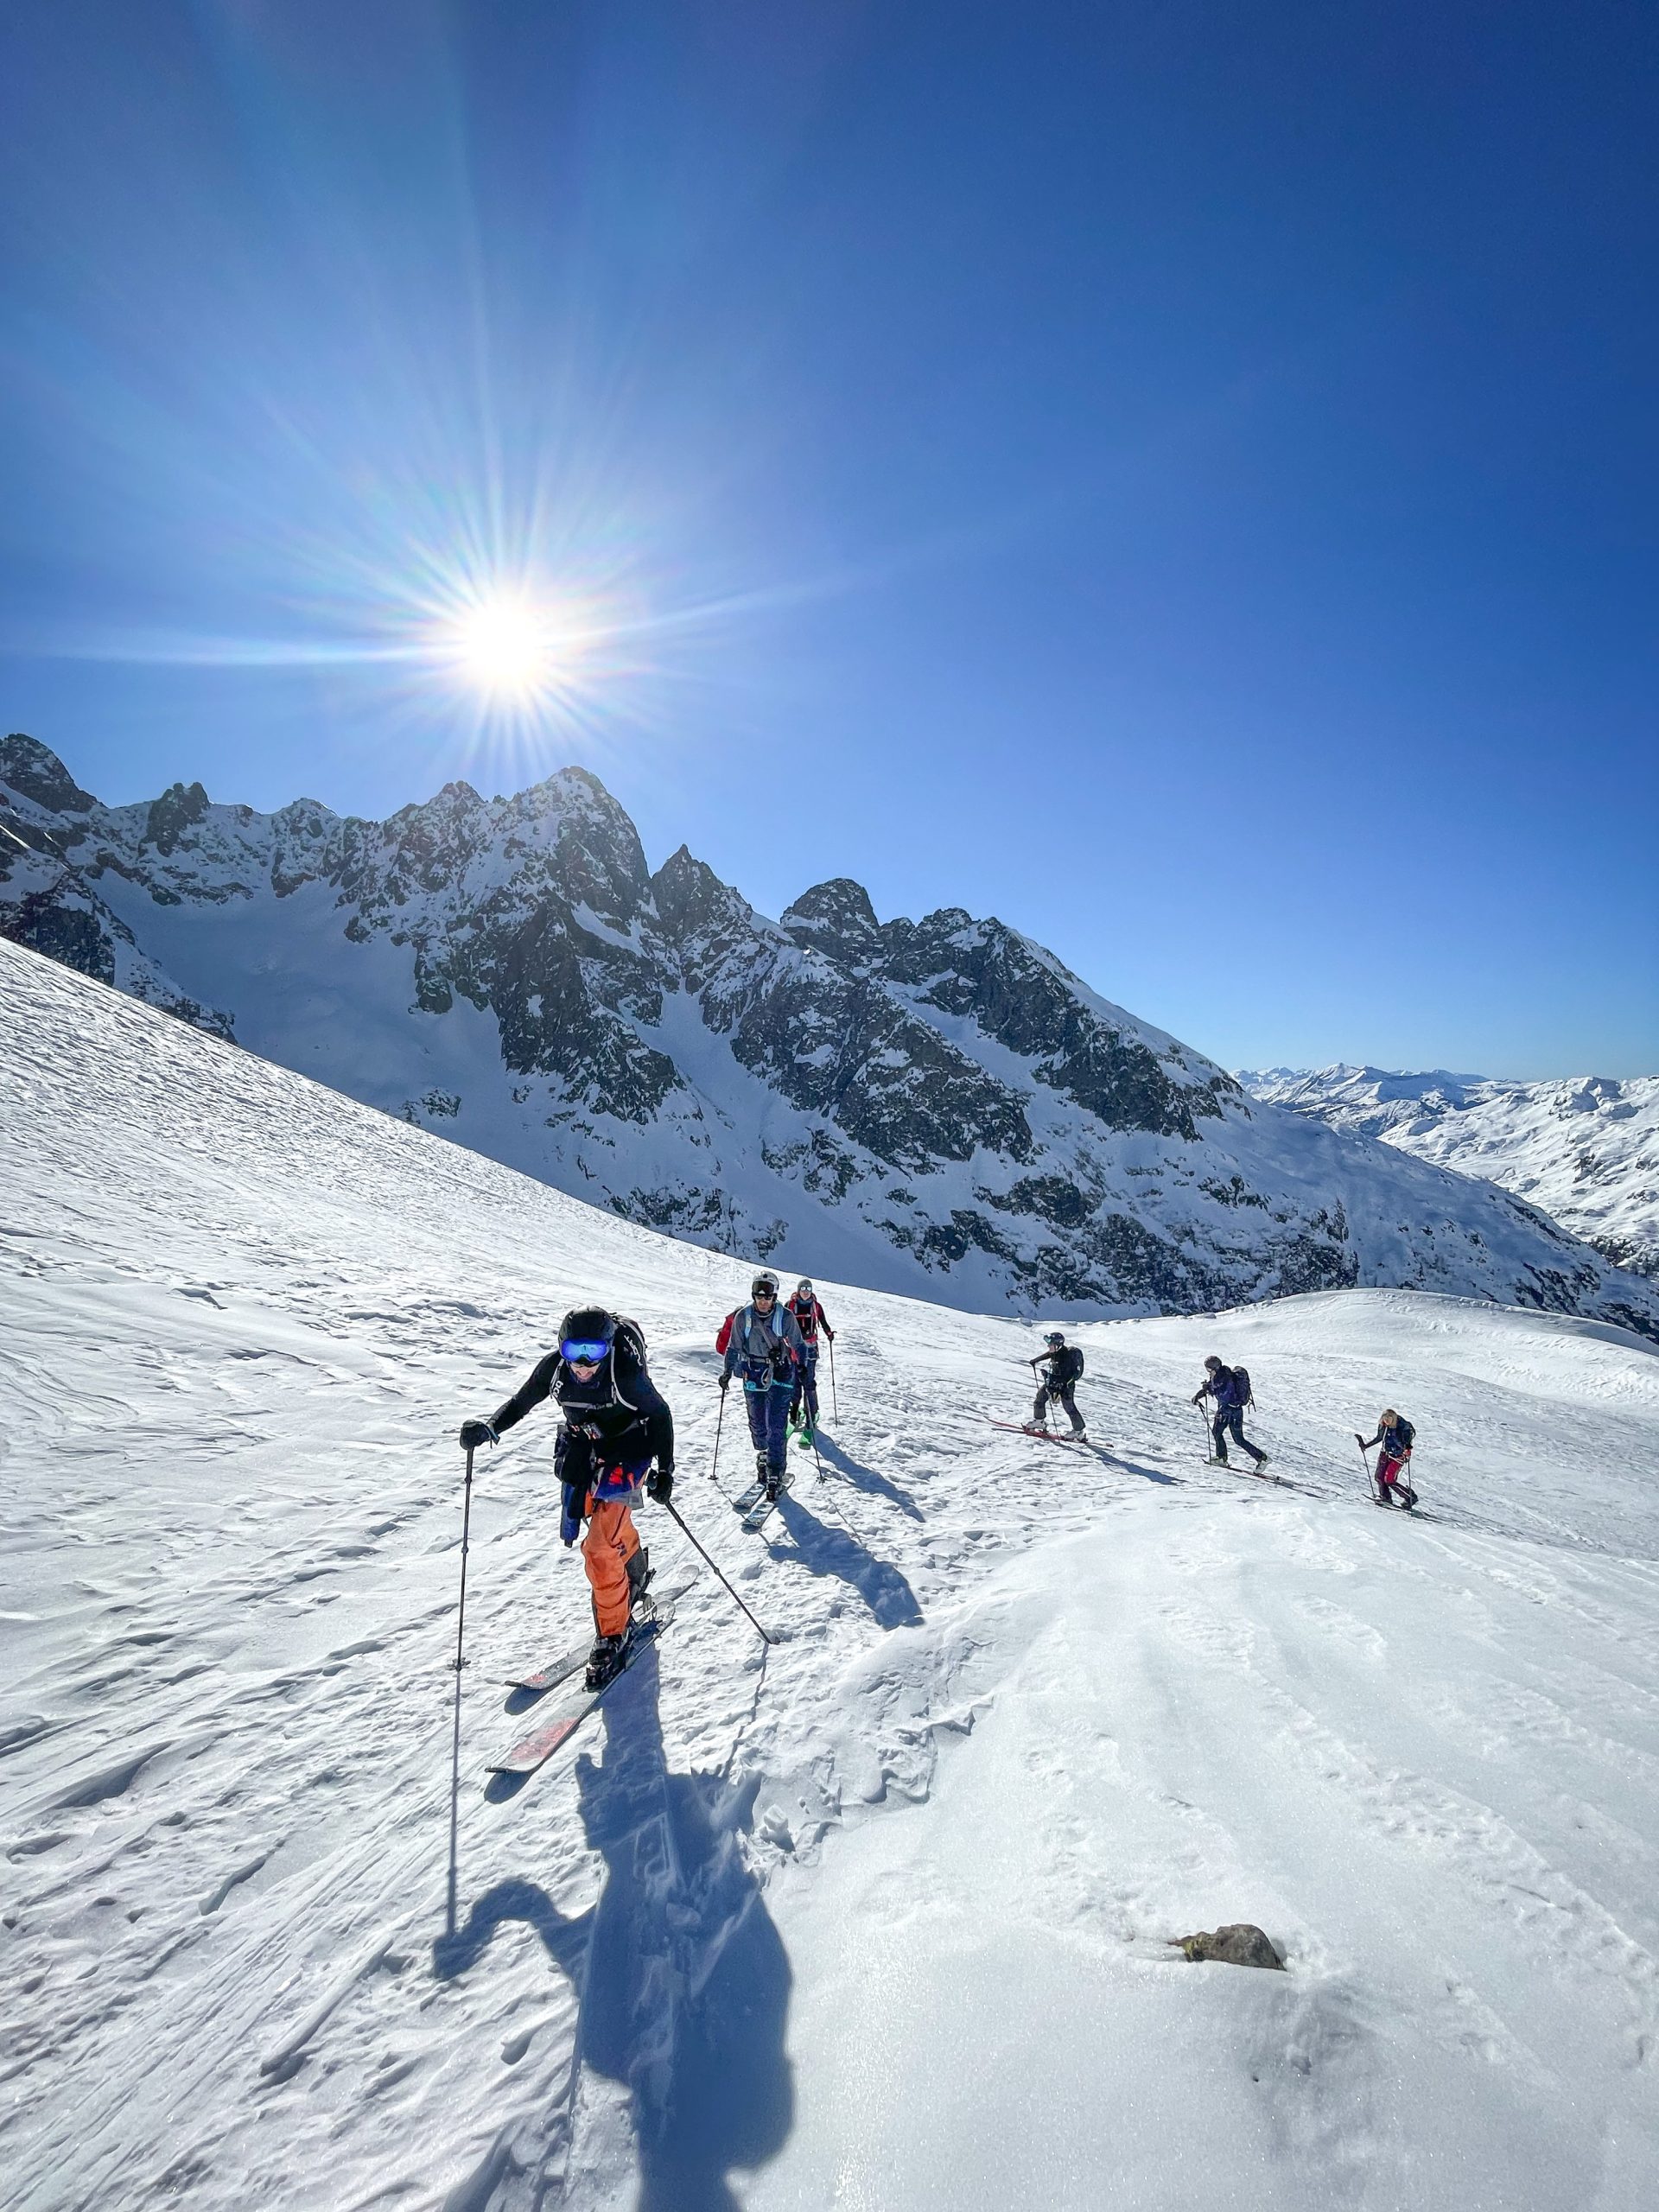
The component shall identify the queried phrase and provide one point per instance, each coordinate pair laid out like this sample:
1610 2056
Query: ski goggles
586 1351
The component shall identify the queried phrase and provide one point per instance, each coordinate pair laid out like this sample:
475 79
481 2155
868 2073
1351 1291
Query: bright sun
505 647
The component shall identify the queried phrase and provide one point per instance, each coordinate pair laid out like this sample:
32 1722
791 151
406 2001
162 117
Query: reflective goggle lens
583 1348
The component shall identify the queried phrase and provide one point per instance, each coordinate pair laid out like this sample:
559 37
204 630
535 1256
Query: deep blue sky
1180 477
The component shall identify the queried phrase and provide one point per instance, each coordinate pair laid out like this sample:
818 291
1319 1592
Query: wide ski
763 1506
557 1727
569 1663
745 1500
556 1670
1227 1467
1046 1435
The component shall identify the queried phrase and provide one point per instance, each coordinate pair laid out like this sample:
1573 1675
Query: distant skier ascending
765 1343
1064 1365
615 1424
810 1319
1397 1435
1230 1388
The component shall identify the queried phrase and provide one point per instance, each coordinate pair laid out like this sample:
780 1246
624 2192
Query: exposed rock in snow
937 1107
1238 1944
1585 1149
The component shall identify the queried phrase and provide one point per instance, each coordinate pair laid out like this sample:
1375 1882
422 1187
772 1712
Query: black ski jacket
619 1409
1064 1365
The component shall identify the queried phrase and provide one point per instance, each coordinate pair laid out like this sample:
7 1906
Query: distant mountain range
1585 1149
938 1107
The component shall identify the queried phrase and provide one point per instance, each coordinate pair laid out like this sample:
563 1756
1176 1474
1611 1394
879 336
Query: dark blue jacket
1224 1387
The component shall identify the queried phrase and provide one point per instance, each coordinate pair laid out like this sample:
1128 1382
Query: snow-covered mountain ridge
1585 1149
937 1107
799 1930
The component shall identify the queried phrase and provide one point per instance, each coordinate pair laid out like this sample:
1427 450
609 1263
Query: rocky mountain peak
34 772
179 808
836 917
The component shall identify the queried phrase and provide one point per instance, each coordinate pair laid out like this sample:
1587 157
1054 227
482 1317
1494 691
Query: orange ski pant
611 1543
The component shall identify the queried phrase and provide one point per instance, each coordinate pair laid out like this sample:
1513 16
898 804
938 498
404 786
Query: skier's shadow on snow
829 1547
1134 1467
865 1477
682 1980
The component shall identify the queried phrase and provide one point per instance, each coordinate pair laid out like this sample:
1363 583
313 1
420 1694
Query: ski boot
774 1482
1261 1459
640 1573
761 1464
606 1660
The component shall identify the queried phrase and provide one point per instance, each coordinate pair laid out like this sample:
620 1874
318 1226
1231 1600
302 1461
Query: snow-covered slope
883 1922
1586 1150
938 1107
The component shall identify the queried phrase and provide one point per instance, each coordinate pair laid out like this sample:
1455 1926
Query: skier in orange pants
608 1551
616 1423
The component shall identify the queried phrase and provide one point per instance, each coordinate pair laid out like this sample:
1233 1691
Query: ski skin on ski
557 1727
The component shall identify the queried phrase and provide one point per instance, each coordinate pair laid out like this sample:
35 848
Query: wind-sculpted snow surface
1585 1149
882 1922
935 1107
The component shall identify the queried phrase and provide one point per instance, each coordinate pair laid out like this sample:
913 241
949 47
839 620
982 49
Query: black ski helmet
1212 1361
1055 1337
588 1324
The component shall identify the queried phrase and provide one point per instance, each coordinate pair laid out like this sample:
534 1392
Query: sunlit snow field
883 1922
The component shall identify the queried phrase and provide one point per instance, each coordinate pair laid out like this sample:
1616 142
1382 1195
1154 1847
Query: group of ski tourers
617 1436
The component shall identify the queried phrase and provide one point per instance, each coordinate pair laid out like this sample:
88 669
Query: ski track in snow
879 1918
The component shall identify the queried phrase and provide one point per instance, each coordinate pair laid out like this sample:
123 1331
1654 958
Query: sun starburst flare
512 650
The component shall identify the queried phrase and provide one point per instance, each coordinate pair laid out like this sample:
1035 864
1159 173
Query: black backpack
1241 1377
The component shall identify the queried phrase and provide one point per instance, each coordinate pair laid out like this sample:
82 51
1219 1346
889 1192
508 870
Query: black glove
474 1434
1359 1439
724 1384
660 1485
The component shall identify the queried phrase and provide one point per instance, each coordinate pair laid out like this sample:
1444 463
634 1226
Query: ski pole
465 1525
713 1464
834 1394
1369 1485
674 1514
